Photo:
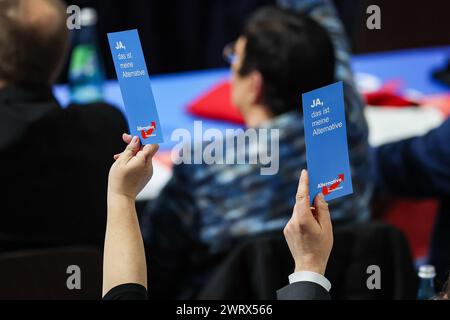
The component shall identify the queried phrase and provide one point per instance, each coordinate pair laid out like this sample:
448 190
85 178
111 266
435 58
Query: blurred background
181 35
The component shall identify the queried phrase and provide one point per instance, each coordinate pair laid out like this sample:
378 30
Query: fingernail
303 172
321 197
135 140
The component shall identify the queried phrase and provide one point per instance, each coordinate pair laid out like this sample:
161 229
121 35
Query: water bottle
427 273
86 73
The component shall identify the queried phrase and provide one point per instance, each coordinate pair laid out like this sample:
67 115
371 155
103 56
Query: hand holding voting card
326 142
135 86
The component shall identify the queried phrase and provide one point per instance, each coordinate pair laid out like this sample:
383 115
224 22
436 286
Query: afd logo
332 186
147 132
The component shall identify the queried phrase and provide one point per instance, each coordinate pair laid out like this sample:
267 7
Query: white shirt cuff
310 277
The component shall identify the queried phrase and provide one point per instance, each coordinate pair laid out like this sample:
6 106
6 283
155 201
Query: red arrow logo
327 190
147 133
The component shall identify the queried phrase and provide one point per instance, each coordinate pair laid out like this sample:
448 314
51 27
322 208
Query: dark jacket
420 168
54 166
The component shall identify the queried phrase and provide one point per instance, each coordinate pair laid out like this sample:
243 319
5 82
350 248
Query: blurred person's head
279 56
33 41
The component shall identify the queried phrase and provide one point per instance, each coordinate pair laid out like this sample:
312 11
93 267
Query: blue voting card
326 142
135 86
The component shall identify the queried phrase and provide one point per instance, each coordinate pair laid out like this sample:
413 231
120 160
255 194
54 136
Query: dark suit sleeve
130 291
417 167
303 291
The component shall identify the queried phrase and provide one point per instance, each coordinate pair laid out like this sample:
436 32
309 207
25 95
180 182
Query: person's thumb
130 150
322 210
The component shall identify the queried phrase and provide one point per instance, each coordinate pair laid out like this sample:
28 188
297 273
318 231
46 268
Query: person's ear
257 85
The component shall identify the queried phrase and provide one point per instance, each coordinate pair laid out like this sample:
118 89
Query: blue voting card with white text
326 142
134 81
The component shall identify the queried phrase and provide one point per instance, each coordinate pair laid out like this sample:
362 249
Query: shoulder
444 132
95 129
98 117
100 111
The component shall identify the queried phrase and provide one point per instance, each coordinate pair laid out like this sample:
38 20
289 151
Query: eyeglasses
229 53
